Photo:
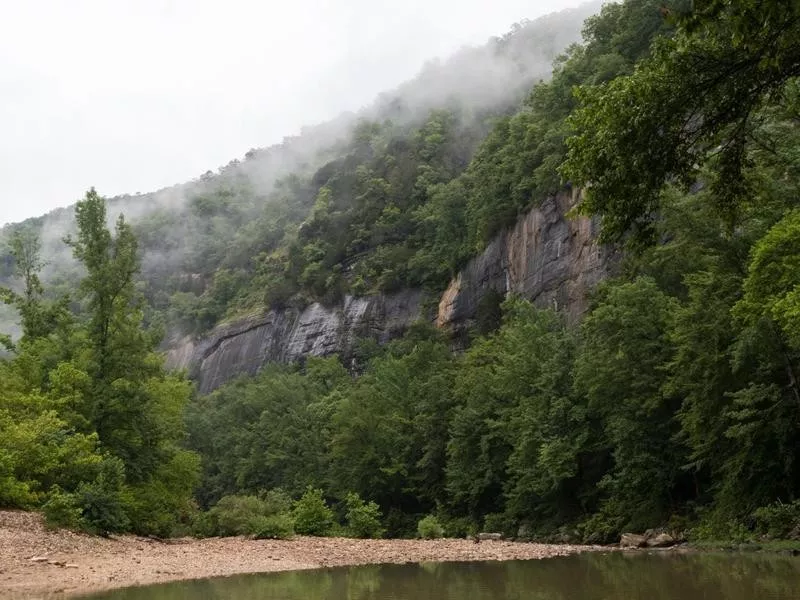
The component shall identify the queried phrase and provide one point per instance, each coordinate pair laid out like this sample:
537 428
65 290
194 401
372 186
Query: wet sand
39 563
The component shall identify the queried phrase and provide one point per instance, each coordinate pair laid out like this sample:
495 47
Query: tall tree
134 407
698 102
38 317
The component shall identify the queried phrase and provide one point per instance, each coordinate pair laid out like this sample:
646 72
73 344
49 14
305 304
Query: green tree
389 431
634 134
312 515
504 437
620 370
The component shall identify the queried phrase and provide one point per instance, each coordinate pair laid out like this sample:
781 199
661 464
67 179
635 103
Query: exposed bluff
545 257
283 336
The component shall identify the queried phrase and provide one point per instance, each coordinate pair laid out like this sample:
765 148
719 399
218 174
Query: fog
133 96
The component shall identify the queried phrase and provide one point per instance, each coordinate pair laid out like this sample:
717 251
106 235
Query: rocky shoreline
39 563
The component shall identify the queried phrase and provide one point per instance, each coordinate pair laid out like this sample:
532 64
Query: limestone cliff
549 259
545 257
283 336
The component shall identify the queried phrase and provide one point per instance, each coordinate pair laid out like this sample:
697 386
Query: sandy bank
69 564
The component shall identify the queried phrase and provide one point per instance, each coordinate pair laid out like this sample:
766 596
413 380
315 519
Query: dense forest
675 402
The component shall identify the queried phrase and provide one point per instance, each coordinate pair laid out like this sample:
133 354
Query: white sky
135 95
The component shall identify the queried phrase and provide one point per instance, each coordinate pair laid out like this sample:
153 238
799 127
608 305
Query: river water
606 576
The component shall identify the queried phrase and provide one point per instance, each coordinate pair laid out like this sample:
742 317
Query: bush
778 520
363 518
266 517
400 524
429 528
204 525
274 527
276 501
104 502
459 527
498 523
163 505
233 515
311 514
600 528
62 510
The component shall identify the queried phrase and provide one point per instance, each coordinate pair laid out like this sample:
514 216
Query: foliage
103 501
311 514
90 422
674 399
638 132
363 518
429 528
62 510
248 515
273 527
284 442
778 520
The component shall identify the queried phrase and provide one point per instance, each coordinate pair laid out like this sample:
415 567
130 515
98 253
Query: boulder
661 540
632 540
490 536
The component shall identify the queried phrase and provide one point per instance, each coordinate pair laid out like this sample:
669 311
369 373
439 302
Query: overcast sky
134 95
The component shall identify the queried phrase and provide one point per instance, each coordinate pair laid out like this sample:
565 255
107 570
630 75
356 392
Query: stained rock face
284 336
546 257
549 259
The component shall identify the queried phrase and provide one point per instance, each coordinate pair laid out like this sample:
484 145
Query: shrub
62 510
276 501
459 527
400 524
273 527
363 518
778 520
429 528
600 528
311 514
204 525
103 502
232 515
266 517
498 523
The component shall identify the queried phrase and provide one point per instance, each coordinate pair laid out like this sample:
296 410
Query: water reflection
587 577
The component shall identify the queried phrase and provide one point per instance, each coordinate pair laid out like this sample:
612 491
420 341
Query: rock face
245 346
549 259
661 540
632 540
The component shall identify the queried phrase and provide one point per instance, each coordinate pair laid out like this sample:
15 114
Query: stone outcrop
632 540
546 257
661 540
283 336
650 539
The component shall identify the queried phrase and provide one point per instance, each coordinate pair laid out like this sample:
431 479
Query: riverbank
38 563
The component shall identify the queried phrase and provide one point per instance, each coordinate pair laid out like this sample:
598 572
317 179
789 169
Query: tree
620 371
504 438
389 431
772 287
39 317
119 360
696 102
134 407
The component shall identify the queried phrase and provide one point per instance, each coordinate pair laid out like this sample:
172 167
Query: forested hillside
674 402
343 206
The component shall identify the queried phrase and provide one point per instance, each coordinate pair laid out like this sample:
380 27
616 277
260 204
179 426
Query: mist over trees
223 220
674 403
